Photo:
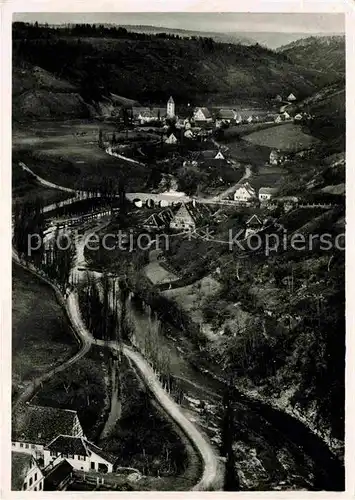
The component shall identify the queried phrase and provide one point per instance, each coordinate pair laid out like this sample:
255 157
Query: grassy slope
39 94
67 153
321 53
41 336
151 70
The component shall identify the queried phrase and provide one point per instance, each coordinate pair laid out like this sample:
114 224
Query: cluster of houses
202 116
245 194
48 444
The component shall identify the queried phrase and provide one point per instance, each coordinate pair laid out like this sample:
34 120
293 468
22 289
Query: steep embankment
39 94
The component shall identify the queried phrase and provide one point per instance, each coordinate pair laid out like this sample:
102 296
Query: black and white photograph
178 251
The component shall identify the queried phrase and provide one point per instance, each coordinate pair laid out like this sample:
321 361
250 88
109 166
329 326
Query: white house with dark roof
266 193
80 453
25 473
244 193
202 115
171 139
34 426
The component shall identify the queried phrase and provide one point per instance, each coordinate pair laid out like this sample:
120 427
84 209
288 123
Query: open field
26 188
288 137
67 153
267 178
41 335
245 152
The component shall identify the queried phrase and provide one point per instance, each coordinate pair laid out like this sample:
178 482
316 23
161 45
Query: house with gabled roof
244 193
254 220
171 139
80 453
26 474
34 426
253 225
183 220
291 97
159 220
210 156
202 115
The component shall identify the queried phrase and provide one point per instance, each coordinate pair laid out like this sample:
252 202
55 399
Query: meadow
41 334
68 153
288 137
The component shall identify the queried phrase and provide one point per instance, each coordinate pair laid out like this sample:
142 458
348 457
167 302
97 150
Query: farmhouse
35 426
171 139
266 193
25 473
183 220
291 97
286 116
298 117
159 220
80 453
244 193
202 115
278 119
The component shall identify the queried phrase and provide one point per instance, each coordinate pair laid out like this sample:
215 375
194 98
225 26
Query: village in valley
159 342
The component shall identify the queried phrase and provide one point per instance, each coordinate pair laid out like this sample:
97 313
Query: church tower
170 108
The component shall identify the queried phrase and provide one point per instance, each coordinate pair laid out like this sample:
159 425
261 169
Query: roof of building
205 111
159 219
291 97
68 444
208 154
123 101
268 190
171 99
227 114
21 463
194 211
254 221
246 186
158 111
40 424
102 453
78 446
57 475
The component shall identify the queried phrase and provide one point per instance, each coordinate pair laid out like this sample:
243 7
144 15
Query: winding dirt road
211 478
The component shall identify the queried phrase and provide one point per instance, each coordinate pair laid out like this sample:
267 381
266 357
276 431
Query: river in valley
274 451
